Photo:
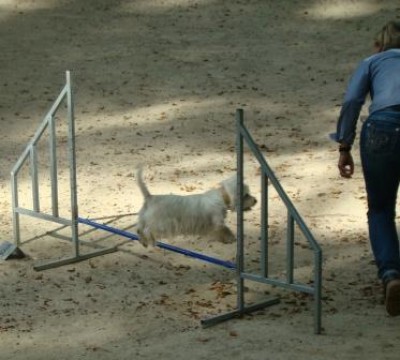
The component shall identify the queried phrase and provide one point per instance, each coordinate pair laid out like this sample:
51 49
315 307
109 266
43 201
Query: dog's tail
142 186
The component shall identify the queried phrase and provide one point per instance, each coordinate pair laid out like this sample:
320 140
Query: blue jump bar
227 264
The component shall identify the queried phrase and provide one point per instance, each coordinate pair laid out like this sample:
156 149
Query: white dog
199 214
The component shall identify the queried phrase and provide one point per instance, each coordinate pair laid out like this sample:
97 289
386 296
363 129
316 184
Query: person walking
379 76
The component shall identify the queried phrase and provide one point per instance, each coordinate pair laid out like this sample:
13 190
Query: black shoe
392 296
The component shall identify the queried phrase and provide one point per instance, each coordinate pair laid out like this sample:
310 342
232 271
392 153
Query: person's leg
380 153
379 156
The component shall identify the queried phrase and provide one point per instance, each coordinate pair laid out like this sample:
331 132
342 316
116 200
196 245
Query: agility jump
267 175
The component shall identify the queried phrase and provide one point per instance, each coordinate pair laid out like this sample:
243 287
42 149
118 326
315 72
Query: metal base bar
43 216
283 284
237 313
66 261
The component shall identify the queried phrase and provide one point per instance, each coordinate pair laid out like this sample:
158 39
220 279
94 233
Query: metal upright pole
290 249
15 213
34 177
318 292
239 212
72 164
53 165
264 225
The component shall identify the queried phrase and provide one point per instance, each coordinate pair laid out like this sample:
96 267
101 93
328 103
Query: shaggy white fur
199 214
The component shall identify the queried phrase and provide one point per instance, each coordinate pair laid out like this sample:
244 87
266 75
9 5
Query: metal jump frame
292 218
30 155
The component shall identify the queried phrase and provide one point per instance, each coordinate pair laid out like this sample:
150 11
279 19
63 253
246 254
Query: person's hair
389 36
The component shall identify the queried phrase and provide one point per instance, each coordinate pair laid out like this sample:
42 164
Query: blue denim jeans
380 158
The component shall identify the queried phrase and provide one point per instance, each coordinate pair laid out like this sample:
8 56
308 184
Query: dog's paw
228 239
143 241
226 236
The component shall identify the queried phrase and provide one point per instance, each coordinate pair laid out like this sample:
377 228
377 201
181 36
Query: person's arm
356 92
354 99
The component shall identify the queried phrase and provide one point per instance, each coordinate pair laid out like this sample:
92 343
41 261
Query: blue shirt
378 75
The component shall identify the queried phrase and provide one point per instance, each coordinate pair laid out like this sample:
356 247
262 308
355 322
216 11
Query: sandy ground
158 82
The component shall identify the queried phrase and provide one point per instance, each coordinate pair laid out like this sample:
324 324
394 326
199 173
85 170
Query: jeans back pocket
381 138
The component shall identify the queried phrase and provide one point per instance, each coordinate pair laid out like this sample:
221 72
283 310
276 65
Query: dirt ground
158 82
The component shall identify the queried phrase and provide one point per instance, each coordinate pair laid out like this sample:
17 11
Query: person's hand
346 164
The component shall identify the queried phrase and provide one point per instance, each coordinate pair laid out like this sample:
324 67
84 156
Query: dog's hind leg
150 236
142 238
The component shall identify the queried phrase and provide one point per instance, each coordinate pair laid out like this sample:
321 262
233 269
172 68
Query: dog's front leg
225 235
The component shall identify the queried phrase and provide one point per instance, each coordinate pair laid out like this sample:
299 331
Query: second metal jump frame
293 217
